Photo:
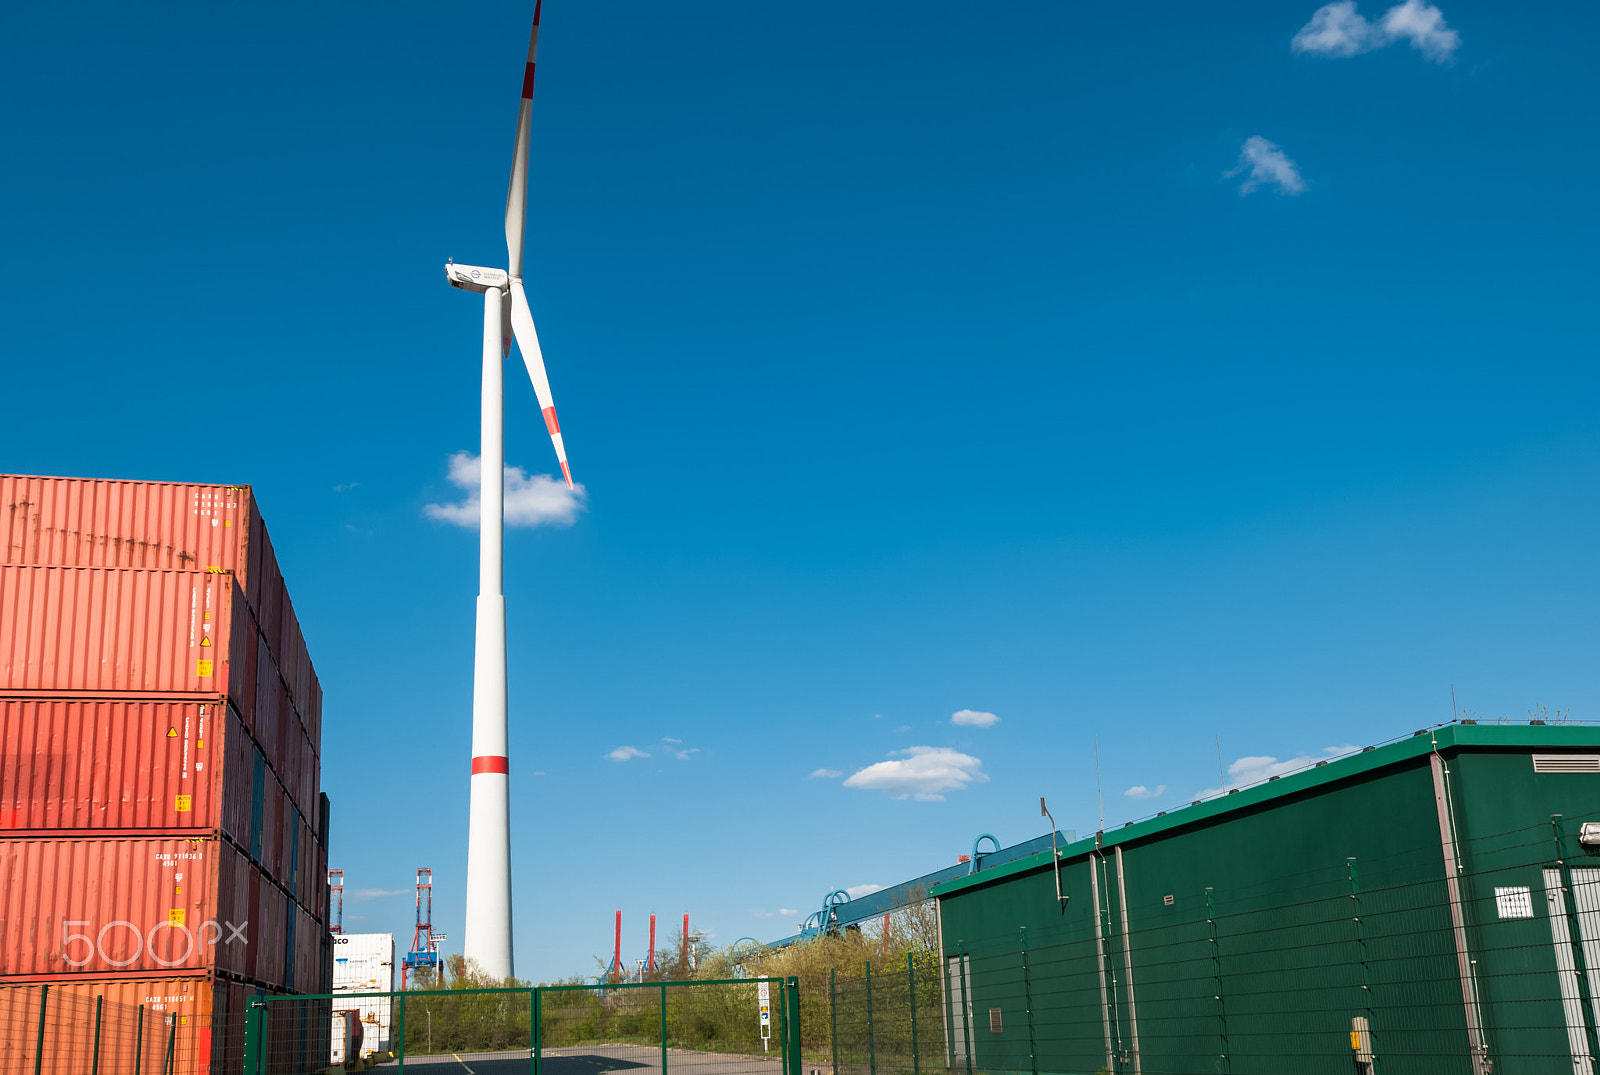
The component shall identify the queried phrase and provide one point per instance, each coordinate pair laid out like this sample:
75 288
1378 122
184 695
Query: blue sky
913 358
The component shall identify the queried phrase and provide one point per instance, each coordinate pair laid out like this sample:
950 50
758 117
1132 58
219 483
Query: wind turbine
488 932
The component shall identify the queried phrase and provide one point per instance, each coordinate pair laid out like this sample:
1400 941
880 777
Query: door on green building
1581 1018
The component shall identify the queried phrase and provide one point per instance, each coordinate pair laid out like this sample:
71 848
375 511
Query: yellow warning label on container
172 733
175 916
202 668
200 742
183 804
206 641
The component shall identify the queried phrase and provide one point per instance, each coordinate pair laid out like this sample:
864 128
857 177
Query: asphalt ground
596 1060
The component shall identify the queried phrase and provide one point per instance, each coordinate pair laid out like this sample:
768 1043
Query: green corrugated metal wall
1261 924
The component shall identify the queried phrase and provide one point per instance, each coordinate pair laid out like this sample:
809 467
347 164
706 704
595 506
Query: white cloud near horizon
1254 768
1340 31
539 500
1266 163
1139 791
685 755
827 774
974 718
625 753
855 892
921 773
362 894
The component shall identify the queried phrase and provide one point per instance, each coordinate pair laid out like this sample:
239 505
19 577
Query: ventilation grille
1566 763
994 1020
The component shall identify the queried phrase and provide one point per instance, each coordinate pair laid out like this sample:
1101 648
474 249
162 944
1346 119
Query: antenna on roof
1098 794
1220 769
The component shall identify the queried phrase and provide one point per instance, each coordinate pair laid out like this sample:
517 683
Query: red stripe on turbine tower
651 960
491 763
527 83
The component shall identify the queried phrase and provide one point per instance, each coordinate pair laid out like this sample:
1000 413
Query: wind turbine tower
488 925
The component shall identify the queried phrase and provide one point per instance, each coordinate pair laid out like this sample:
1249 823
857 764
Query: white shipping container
363 963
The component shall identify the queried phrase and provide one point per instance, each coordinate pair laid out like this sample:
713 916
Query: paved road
596 1060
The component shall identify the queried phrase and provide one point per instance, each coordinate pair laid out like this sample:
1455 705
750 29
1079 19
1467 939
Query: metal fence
1493 972
44 1030
743 1026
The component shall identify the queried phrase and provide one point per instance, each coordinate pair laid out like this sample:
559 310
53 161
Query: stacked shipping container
162 829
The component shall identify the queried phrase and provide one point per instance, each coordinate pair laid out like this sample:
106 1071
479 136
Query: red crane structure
336 901
424 942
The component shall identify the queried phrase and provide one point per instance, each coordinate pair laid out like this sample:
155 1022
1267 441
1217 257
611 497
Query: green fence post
1225 1064
663 1028
872 1046
400 1033
791 1022
254 1010
533 1031
38 1049
1361 947
833 1015
138 1041
911 994
98 1000
1027 1001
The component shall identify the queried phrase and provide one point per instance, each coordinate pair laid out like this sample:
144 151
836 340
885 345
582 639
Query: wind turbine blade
517 194
528 343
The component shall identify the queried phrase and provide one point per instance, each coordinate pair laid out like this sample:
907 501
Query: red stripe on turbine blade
566 472
527 83
550 422
491 763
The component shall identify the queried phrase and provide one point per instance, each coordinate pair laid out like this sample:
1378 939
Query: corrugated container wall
87 522
162 828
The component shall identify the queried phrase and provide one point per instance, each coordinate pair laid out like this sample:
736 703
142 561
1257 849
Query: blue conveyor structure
839 911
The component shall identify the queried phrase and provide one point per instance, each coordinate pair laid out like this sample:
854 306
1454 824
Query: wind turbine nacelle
476 278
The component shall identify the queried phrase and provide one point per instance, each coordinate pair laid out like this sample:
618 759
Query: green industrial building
1427 906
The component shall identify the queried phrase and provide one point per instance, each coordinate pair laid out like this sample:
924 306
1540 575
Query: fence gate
744 1026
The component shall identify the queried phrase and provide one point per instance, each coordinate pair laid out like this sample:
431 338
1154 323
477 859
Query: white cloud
1335 30
1422 25
827 774
855 892
1255 768
539 500
975 718
362 894
762 914
624 753
345 487
1339 30
669 739
921 773
1266 164
1139 791
787 912
685 755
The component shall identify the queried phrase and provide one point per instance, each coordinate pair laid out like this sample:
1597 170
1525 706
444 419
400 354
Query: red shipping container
101 764
122 630
99 907
89 522
191 1010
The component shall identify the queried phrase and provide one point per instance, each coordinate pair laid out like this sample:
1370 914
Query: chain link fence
45 1030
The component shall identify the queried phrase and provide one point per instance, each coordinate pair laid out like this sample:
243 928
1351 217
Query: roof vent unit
1589 835
1566 763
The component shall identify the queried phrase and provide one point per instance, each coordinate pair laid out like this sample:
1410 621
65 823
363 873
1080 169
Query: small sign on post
764 1000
